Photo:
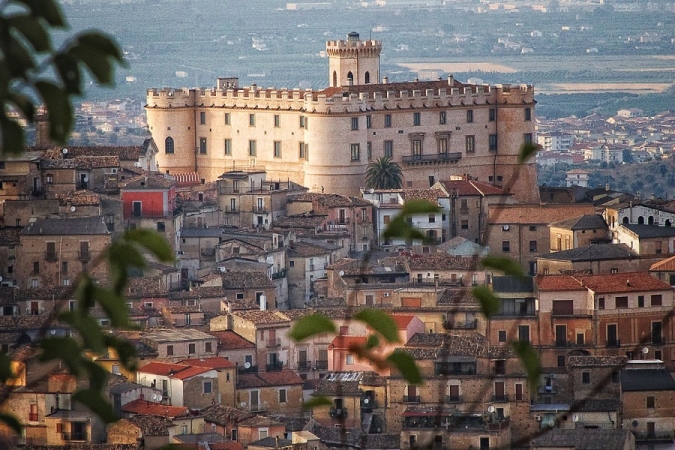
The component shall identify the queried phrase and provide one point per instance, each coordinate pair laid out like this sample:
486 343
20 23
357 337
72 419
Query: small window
621 302
277 121
207 387
533 228
464 225
506 246
533 246
356 152
277 149
417 119
493 143
432 218
252 148
282 396
349 360
227 118
442 117
601 303
355 123
191 348
615 376
387 120
168 149
291 263
470 144
251 120
388 149
208 347
527 138
386 219
657 300
302 153
641 301
561 360
161 227
169 350
502 335
202 146
369 150
585 377
528 114
469 115
651 401
228 147
369 121
492 115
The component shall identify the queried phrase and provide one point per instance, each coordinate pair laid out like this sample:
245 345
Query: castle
324 139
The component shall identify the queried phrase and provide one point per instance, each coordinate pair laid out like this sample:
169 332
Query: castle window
277 121
442 118
527 138
388 149
443 146
417 119
302 121
367 77
277 149
387 120
369 121
228 147
470 144
334 78
356 152
355 123
168 145
251 148
493 115
350 78
227 118
202 118
303 151
528 114
251 120
493 143
202 146
469 115
417 148
369 150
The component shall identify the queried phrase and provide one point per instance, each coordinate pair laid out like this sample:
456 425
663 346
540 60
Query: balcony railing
432 158
411 399
500 398
51 256
453 399
338 412
74 436
562 343
278 275
321 364
658 340
613 343
304 365
274 367
259 407
84 256
548 389
471 325
273 342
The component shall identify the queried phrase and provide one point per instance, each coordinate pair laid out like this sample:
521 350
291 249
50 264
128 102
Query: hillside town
261 195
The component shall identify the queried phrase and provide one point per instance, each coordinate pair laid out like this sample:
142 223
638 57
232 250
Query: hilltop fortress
324 139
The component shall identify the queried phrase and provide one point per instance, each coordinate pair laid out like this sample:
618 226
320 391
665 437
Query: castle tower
353 61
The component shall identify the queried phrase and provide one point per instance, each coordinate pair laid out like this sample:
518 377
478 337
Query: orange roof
177 371
402 320
343 341
211 363
558 283
666 265
623 282
190 372
156 409
536 214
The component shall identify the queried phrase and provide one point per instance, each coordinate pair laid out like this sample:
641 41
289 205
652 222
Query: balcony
82 436
338 413
658 340
279 275
368 403
471 325
51 256
259 407
500 398
562 343
84 256
432 158
274 342
613 343
411 399
321 365
252 369
274 367
261 209
453 399
304 365
548 389
232 210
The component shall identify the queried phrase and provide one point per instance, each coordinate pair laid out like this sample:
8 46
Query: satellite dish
85 179
154 397
137 164
0 278
505 227
247 365
243 404
575 418
491 409
342 273
371 190
64 151
645 350
72 209
366 401
159 397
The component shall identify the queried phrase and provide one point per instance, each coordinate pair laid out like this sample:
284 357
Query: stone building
324 139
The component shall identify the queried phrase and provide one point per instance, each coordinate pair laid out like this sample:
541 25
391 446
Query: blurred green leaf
98 376
528 150
317 402
507 265
530 359
419 207
13 136
96 403
12 422
24 104
87 327
400 228
65 349
406 365
379 321
372 342
489 302
47 9
101 42
69 72
114 307
18 58
60 110
309 326
31 28
152 241
6 372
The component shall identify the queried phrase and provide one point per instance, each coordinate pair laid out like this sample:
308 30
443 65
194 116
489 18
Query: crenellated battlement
387 97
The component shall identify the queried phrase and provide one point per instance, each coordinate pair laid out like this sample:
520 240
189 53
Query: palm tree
383 173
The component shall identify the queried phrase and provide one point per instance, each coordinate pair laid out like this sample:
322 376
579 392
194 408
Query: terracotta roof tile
465 188
330 200
211 363
439 261
345 342
666 265
535 214
267 379
155 409
623 282
402 320
547 283
262 317
246 280
229 340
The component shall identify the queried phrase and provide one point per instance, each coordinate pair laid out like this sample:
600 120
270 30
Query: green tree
383 173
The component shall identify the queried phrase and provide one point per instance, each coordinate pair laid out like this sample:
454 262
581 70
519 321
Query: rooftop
268 379
155 409
176 335
583 439
77 226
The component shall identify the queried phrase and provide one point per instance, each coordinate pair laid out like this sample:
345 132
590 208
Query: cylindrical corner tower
353 61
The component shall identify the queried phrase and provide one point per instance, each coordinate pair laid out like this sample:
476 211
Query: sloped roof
585 222
465 188
593 252
535 214
623 282
77 226
345 342
649 231
267 379
583 439
665 265
155 409
635 380
210 363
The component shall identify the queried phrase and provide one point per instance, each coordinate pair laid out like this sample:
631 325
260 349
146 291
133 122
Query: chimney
385 80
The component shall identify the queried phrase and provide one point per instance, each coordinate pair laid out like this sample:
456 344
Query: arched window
367 77
650 220
625 220
168 145
350 78
668 223
641 220
334 79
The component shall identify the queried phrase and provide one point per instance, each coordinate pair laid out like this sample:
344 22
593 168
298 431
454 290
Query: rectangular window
387 120
469 115
388 149
651 401
282 395
202 146
524 333
301 151
528 114
36 267
443 146
621 302
169 350
228 147
303 121
277 120
601 303
386 219
355 123
369 121
417 148
464 224
417 119
161 227
202 118
252 148
506 246
502 335
493 143
207 387
533 246
349 360
356 152
585 377
470 144
561 360
277 149
191 349
492 115
227 118
442 117
208 347
432 218
251 120
641 301
657 300
369 150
